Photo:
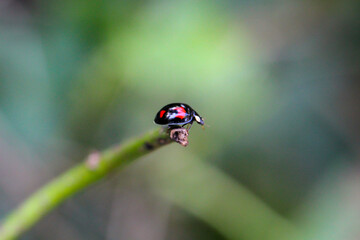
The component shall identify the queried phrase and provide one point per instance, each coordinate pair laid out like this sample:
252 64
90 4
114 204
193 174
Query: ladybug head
198 119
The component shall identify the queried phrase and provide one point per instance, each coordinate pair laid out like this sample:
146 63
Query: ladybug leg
188 126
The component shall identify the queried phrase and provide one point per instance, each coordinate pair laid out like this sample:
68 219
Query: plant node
180 135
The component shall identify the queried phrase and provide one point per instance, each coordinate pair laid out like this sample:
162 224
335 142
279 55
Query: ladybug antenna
201 122
203 126
207 125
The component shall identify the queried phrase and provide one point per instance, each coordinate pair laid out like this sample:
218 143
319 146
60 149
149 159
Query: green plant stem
96 166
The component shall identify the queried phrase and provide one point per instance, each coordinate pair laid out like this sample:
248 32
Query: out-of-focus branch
214 197
96 166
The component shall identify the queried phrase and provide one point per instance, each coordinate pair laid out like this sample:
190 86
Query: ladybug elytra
177 115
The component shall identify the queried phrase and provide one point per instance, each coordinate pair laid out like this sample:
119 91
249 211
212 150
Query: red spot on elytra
162 113
181 112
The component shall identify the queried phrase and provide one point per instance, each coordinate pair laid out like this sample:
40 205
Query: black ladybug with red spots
177 115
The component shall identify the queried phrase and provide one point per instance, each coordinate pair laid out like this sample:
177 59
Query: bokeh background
276 81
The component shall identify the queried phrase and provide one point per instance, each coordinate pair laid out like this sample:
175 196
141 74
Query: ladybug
177 115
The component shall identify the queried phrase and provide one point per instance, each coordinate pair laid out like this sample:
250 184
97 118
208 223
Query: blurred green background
276 81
